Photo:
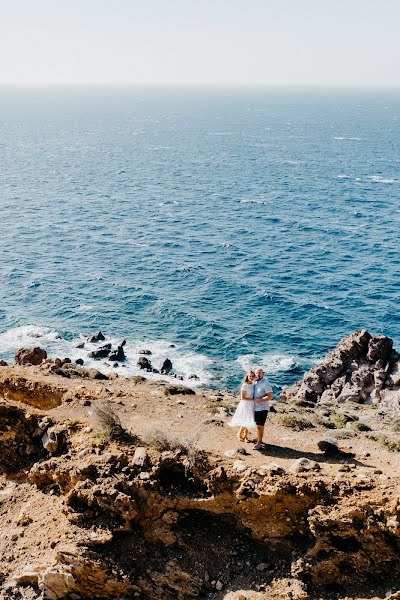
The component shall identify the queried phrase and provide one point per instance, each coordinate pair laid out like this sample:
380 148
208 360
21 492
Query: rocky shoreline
123 488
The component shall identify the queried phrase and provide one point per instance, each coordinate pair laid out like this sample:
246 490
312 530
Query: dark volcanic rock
166 367
147 352
101 352
30 356
379 348
3 363
144 363
359 368
79 361
96 337
118 354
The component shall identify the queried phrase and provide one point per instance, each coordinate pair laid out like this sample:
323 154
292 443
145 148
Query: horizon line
196 84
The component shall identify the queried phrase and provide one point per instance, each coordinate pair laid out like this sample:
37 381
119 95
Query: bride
244 414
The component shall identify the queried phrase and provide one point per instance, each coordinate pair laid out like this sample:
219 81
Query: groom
262 397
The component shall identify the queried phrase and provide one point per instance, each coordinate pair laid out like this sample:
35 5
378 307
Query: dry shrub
294 422
108 423
164 441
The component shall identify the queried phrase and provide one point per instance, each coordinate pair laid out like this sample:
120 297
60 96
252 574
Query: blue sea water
241 225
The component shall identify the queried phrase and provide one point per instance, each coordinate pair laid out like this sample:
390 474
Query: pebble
239 465
219 585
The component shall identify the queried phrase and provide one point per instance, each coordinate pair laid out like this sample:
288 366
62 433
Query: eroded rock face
30 356
20 439
361 368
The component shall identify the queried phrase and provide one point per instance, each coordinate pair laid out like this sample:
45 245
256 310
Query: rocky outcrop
362 368
30 356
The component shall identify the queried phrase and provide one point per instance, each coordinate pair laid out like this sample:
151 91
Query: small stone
262 566
219 585
304 464
239 465
140 456
87 403
144 476
241 597
393 523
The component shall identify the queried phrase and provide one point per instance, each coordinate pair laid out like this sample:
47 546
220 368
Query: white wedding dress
244 414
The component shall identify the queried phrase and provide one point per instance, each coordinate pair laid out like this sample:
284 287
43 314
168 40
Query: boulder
146 352
144 363
30 356
304 464
3 363
166 367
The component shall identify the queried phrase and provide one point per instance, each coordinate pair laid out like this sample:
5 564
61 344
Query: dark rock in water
155 371
101 352
123 343
30 356
116 365
172 346
3 363
118 354
97 337
166 367
194 377
147 352
81 345
144 363
79 361
67 360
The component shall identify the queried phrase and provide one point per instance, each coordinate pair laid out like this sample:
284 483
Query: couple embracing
252 410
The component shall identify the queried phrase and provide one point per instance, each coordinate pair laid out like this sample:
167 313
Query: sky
224 42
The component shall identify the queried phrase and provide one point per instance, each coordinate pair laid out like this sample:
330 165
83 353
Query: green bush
294 422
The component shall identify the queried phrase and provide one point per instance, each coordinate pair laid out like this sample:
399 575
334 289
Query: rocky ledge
97 503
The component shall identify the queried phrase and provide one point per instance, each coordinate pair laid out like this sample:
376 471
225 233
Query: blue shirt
261 389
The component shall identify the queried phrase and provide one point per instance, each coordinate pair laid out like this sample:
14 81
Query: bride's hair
246 377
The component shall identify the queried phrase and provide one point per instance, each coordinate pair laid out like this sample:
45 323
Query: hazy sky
295 42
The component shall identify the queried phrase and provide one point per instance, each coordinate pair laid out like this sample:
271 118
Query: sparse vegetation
385 441
109 424
360 426
339 420
172 390
396 425
294 422
213 407
165 441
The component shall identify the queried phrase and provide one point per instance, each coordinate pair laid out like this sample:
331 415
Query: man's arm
265 398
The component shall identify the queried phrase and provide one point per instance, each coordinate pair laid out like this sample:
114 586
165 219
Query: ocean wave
380 179
185 362
357 139
270 362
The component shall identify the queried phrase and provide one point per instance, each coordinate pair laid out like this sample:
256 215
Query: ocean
221 228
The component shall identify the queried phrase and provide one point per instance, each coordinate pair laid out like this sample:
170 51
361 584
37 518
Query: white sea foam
380 179
185 362
337 137
272 363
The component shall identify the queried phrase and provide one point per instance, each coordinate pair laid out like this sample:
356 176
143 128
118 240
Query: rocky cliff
123 489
